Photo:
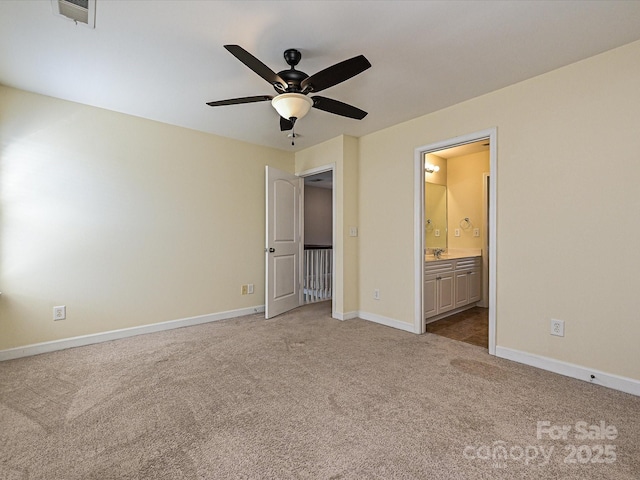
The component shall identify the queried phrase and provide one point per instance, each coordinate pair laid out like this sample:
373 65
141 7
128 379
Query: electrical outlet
60 313
456 232
436 232
244 289
376 294
250 288
557 327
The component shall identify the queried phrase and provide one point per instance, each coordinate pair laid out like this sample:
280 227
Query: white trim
484 301
609 380
420 325
344 316
389 322
301 243
493 237
491 134
307 173
45 347
316 170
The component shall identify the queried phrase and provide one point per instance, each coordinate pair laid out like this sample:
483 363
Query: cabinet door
445 292
462 288
430 295
475 285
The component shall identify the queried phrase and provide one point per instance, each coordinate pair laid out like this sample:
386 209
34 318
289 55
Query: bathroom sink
452 255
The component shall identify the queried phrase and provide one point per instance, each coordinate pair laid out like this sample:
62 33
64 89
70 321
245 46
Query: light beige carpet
303 396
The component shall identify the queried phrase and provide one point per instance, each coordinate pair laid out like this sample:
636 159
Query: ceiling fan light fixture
292 105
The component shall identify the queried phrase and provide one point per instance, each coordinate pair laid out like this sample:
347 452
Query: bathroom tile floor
470 326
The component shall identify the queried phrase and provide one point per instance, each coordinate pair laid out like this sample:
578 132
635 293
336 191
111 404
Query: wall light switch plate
476 232
353 231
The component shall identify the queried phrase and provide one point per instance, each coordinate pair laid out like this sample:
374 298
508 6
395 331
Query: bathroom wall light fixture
430 168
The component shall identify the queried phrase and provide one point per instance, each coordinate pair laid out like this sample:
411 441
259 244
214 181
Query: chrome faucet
437 252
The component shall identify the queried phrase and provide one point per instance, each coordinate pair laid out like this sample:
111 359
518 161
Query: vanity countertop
452 255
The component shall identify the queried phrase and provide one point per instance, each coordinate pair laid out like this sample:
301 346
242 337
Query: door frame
329 167
486 221
419 241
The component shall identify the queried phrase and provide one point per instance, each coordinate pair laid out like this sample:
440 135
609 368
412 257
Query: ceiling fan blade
335 74
236 101
257 66
285 124
338 108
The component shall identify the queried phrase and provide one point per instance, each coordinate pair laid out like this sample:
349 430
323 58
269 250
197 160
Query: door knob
271 250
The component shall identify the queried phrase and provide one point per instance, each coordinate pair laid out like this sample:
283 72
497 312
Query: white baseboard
345 315
389 322
623 384
45 347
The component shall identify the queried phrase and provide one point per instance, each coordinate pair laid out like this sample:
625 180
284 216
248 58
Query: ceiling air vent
80 11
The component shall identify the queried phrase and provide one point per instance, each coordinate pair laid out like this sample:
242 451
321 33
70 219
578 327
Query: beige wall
318 216
343 151
130 222
567 145
125 221
464 190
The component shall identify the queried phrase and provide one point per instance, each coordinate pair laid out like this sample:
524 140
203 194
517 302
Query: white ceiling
163 60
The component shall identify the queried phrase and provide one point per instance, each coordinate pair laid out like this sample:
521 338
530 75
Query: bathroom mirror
435 211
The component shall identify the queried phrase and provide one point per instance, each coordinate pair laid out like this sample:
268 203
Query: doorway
482 226
319 226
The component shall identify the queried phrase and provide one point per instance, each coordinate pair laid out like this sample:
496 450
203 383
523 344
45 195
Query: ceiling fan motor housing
292 76
293 79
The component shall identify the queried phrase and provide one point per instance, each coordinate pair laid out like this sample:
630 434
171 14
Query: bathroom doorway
469 232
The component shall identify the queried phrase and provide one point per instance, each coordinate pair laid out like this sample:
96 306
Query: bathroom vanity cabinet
451 285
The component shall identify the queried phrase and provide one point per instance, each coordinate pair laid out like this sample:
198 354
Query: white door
283 242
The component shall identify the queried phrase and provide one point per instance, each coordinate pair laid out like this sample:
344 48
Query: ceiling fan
293 87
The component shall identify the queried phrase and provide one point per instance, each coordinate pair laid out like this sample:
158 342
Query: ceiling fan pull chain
293 130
